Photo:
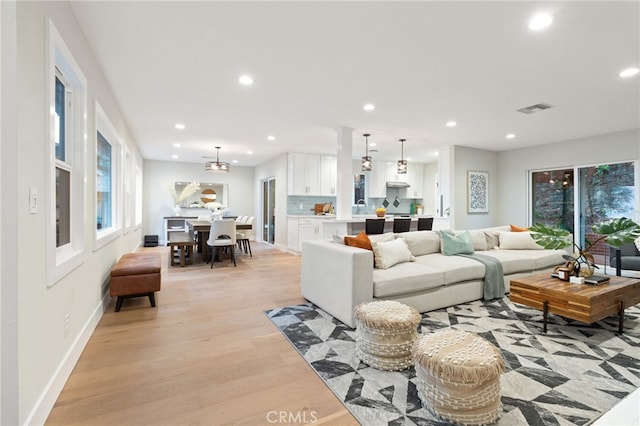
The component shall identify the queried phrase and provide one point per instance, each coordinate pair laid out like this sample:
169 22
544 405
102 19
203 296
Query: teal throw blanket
493 276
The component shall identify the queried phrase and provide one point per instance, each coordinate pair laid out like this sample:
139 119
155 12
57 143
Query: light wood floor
206 355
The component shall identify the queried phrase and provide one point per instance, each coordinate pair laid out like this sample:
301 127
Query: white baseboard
48 398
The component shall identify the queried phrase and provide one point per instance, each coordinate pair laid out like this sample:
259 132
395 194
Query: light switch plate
33 200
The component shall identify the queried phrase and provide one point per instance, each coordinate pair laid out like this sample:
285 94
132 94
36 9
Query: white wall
46 352
429 202
157 201
274 168
514 165
479 160
9 285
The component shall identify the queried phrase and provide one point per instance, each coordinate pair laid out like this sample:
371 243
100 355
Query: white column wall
344 193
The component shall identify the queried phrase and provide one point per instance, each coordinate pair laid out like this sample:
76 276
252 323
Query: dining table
202 227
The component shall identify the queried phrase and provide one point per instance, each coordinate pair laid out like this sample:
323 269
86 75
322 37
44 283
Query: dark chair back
425 223
401 224
374 226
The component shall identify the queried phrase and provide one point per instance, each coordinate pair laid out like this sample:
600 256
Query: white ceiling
315 64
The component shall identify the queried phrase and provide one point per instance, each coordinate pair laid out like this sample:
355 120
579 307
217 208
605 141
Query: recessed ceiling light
271 138
235 161
372 144
629 72
408 158
451 124
177 145
540 21
510 136
369 107
246 80
180 126
174 156
435 154
250 152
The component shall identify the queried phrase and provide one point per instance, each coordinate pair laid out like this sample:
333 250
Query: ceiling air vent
534 108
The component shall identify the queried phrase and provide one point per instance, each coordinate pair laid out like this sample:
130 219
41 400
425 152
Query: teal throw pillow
456 244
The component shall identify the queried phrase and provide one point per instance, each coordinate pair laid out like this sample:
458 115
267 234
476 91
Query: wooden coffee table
581 302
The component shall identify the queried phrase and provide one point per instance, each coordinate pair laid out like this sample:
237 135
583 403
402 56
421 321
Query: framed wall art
477 192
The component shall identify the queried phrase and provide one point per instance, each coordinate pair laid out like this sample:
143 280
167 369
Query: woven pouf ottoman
385 332
458 376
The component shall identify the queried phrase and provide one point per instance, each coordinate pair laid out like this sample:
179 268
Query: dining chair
401 224
222 234
374 226
425 223
244 236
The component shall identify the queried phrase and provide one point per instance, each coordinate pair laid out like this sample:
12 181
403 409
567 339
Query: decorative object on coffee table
459 376
385 332
615 232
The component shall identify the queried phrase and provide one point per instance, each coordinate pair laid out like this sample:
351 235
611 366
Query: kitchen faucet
358 204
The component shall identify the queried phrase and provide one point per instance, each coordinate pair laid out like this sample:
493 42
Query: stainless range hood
397 184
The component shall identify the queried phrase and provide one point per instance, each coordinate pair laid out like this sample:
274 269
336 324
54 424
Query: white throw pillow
477 238
389 253
518 241
422 242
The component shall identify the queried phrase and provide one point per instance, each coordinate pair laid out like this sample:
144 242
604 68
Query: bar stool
401 224
374 226
425 223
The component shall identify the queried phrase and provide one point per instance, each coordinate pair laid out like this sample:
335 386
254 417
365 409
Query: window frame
62 260
137 223
112 137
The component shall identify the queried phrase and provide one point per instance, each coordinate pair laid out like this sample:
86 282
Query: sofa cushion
422 242
389 253
379 238
514 261
478 239
455 269
361 240
456 244
518 241
405 278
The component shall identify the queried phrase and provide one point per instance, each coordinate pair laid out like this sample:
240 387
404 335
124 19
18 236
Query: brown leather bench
135 275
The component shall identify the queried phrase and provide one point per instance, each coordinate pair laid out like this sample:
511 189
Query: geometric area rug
568 376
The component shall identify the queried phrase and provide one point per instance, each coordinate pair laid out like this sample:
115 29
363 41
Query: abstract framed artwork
477 192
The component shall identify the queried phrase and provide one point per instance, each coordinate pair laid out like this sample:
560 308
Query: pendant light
217 166
402 163
366 160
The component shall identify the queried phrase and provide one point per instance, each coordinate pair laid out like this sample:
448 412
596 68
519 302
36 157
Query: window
103 183
108 219
138 215
65 165
359 188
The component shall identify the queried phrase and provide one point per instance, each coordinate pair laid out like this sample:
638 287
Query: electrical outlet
67 324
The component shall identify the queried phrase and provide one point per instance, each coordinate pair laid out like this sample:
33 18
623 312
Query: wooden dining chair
374 226
401 224
222 234
425 223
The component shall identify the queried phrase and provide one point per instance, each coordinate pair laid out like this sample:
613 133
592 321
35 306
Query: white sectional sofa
337 277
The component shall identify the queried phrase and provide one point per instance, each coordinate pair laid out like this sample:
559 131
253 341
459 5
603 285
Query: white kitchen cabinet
392 172
301 229
376 180
304 174
415 179
328 175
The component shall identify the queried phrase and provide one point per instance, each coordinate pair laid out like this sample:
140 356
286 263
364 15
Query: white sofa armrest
336 277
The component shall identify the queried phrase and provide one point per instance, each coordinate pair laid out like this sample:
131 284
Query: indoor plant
614 232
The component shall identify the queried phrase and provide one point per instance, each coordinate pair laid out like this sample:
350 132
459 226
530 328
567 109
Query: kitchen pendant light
217 166
366 160
402 163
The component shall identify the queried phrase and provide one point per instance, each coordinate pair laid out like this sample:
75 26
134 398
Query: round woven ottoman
385 332
458 376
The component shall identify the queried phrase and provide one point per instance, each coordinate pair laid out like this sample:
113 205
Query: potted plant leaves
615 232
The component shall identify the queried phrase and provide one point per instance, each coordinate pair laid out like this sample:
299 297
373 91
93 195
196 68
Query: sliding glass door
606 192
575 199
